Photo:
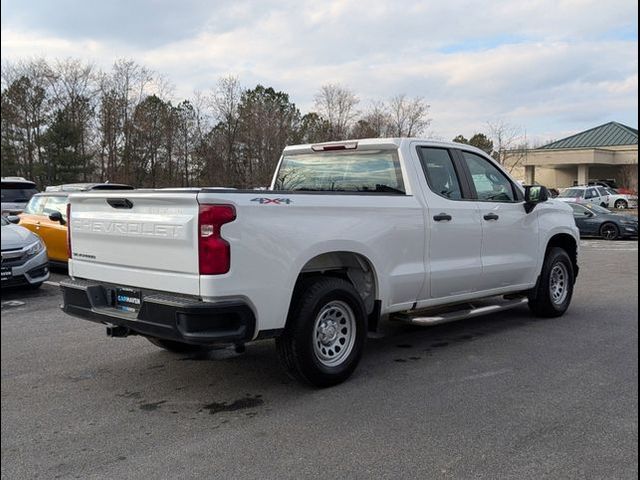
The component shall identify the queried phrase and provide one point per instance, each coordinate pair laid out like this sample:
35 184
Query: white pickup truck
347 234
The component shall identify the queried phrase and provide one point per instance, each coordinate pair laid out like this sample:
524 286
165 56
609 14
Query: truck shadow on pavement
223 385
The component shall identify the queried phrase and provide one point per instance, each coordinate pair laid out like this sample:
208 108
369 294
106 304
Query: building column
583 174
529 174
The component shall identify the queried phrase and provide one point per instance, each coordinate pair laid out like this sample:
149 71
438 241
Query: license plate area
128 299
6 273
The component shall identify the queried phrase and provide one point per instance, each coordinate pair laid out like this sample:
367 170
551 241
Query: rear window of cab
365 171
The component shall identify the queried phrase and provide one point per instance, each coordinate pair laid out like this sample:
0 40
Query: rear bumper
179 318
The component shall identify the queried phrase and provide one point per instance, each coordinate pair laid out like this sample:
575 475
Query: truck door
509 234
453 229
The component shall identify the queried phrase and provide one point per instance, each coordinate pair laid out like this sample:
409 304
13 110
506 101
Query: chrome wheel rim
609 232
621 205
334 333
559 283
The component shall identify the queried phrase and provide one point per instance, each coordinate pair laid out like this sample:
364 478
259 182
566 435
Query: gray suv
16 193
24 256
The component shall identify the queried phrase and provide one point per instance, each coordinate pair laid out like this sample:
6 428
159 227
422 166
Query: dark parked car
597 221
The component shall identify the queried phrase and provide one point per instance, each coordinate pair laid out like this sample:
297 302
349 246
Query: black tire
176 347
604 205
542 302
609 231
621 205
315 300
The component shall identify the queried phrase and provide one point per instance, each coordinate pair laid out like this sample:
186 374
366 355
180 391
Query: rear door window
440 171
591 193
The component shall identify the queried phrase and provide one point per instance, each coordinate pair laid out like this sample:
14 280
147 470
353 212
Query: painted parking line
53 284
12 303
615 246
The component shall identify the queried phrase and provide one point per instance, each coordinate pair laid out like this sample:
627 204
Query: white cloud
551 64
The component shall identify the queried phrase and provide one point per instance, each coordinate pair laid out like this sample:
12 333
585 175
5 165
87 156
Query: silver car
620 201
585 194
24 256
16 193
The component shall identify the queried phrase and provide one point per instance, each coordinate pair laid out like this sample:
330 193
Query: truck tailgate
141 239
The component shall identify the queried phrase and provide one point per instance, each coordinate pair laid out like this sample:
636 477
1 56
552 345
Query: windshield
572 192
366 171
17 195
5 222
596 208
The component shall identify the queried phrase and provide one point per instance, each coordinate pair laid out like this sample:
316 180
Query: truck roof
374 143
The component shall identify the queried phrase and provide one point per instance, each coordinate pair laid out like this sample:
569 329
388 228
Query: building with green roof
606 152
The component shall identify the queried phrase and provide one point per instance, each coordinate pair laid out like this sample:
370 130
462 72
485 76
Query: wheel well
569 245
350 266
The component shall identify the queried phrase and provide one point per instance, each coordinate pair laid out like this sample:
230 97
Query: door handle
491 216
442 217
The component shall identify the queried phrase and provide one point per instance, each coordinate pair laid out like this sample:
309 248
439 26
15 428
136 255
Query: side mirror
533 195
57 217
13 219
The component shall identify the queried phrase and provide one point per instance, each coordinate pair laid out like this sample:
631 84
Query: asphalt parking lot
505 396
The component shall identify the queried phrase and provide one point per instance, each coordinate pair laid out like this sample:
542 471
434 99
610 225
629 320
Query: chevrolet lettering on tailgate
119 227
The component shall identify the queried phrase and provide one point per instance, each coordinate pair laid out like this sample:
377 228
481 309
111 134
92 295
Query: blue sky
552 67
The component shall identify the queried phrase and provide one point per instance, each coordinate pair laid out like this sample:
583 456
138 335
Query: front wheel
552 295
621 204
609 231
325 333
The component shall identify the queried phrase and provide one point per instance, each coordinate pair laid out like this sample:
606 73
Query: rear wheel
176 347
325 333
609 231
621 204
552 295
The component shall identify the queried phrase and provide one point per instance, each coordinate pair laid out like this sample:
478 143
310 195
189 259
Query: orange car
40 215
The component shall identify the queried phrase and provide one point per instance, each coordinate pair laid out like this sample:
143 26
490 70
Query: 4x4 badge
275 201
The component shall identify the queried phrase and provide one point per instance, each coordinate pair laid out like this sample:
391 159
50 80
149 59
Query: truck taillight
68 230
214 252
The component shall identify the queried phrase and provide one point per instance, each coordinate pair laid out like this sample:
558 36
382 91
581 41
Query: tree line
68 121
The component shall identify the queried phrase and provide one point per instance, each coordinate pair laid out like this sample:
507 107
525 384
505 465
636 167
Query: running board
463 312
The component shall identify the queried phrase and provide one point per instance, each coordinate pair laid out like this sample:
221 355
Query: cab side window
35 205
490 183
56 204
440 171
591 193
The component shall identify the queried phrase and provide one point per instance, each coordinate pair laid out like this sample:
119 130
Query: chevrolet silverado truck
347 234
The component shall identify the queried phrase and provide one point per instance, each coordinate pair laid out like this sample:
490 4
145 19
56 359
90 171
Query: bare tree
375 123
506 137
225 101
629 177
409 116
337 104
